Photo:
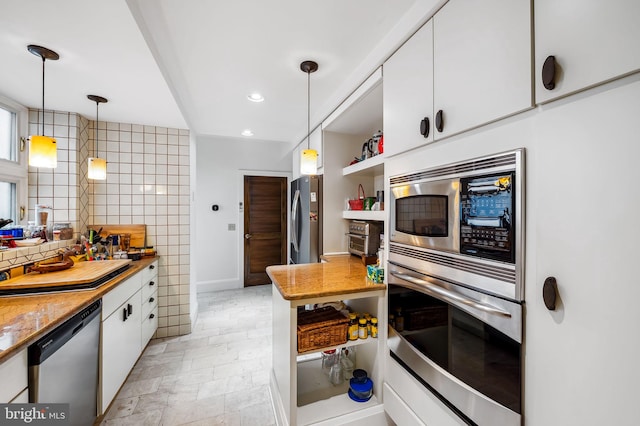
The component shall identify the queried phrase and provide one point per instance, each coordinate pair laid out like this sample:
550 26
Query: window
13 165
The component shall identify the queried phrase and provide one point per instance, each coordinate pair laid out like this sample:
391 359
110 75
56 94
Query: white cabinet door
121 346
592 41
14 376
585 214
408 93
482 62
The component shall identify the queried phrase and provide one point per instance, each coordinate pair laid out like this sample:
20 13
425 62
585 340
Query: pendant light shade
309 158
43 151
97 167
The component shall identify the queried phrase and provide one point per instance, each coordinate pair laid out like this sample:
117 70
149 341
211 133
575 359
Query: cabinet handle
550 293
152 316
151 299
125 314
549 73
152 283
129 309
439 121
424 127
152 266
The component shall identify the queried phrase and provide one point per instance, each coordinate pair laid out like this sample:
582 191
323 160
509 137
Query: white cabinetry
408 93
592 41
149 296
14 373
482 62
304 394
121 331
129 320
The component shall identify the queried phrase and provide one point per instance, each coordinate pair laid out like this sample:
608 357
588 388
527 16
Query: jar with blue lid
360 386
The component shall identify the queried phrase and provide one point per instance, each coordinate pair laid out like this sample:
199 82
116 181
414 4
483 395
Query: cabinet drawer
116 297
148 303
149 272
149 286
149 325
14 373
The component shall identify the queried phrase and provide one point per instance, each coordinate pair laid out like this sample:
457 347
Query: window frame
17 172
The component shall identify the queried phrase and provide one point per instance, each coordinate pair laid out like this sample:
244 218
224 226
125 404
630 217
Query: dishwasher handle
54 340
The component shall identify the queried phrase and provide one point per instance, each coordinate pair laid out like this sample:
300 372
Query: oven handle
447 295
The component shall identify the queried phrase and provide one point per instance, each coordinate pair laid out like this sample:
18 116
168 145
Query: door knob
247 236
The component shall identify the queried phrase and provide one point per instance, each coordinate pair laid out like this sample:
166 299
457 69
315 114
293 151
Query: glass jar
363 332
353 326
328 360
374 327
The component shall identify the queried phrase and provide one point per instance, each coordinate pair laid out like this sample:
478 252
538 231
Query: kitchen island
301 391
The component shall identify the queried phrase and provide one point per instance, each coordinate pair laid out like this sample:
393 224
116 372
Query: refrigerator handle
294 220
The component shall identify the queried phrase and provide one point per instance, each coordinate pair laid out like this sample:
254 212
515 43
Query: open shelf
363 215
373 166
318 399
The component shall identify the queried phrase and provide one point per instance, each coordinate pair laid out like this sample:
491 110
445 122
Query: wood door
265 226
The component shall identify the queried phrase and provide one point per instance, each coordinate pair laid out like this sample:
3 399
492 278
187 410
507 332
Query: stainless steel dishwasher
63 366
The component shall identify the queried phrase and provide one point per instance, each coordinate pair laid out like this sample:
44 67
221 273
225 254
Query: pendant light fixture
97 167
42 149
309 158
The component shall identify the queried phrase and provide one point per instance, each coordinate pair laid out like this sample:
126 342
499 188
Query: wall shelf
364 215
373 166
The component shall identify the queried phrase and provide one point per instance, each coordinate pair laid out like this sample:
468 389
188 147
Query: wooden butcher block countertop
340 274
80 273
24 319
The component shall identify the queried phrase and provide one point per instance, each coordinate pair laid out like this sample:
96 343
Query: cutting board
79 273
138 232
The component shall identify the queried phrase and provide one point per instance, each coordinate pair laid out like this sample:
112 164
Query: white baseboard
208 286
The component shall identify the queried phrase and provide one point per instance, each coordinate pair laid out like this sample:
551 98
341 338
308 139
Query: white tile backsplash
145 165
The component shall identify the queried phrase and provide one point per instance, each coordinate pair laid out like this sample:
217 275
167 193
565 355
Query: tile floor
217 375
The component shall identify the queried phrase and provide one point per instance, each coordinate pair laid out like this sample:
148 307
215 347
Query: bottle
362 328
374 327
328 360
353 326
347 364
335 374
368 318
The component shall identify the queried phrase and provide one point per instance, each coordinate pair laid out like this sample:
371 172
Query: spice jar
374 327
353 327
362 328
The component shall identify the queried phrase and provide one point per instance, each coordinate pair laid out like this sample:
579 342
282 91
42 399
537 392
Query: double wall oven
455 275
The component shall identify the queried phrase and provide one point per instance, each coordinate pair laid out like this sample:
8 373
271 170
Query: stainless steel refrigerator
306 220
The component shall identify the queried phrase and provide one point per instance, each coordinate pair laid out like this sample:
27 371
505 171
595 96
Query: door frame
240 234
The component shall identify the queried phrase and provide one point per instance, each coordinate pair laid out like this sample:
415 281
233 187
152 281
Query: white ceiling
191 64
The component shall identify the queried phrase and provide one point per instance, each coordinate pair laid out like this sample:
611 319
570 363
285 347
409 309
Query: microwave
465 217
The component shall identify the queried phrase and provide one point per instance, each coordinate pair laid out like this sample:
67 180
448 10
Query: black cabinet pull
550 293
424 127
125 314
549 73
439 121
152 266
151 316
152 283
151 299
129 309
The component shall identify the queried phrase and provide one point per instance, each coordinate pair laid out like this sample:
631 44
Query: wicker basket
320 328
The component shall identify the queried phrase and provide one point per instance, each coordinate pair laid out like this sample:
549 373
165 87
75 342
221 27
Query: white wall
220 163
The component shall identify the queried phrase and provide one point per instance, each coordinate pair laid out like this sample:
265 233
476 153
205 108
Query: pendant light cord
97 124
308 108
43 59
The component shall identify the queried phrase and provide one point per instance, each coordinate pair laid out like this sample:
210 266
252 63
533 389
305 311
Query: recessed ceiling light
247 132
255 97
